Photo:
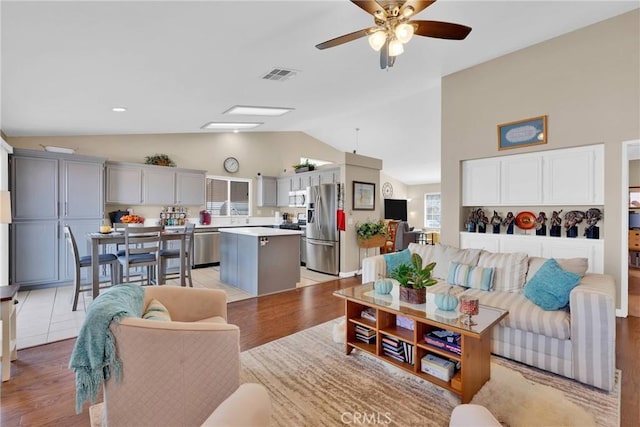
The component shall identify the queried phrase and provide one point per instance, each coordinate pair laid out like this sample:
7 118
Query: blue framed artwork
522 133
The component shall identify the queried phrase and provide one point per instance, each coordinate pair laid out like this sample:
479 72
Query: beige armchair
185 372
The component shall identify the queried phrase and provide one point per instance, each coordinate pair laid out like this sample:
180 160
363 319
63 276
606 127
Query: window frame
425 218
229 180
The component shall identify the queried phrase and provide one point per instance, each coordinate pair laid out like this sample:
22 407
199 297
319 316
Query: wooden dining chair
141 249
85 261
167 254
390 244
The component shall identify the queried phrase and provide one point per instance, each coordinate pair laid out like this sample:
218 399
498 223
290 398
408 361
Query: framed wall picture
522 133
364 196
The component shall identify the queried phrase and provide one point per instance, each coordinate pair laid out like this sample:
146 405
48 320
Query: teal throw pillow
549 288
397 258
471 276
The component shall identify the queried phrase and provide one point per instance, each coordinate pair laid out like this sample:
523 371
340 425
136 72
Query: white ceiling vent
280 74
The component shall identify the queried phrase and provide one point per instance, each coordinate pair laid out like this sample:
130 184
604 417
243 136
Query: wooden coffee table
474 360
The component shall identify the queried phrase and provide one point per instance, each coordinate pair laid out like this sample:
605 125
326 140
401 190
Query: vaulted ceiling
177 65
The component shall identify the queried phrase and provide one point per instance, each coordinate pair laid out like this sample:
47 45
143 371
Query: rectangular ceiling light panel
230 125
250 110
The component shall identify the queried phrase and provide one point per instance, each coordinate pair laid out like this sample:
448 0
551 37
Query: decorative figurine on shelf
496 220
508 222
556 223
470 225
482 221
571 221
541 224
592 216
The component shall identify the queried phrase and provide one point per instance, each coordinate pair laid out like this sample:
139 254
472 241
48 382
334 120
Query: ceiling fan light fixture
395 47
408 11
377 40
404 32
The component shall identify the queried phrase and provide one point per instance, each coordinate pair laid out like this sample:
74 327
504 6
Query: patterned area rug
313 383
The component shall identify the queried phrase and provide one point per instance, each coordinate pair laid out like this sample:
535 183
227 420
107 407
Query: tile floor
44 315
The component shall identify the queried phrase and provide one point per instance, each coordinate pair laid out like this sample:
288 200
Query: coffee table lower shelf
474 362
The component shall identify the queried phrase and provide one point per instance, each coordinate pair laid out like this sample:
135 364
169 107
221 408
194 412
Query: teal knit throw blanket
94 357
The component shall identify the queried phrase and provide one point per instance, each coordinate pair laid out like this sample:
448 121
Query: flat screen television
634 221
395 209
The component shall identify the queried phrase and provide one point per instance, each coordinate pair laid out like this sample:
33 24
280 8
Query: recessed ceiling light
119 109
250 110
230 125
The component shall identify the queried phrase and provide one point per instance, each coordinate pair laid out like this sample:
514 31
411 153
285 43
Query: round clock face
231 164
387 190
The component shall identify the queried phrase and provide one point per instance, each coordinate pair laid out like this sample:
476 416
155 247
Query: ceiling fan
394 28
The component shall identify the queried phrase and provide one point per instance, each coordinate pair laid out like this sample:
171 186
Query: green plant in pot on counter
304 167
414 279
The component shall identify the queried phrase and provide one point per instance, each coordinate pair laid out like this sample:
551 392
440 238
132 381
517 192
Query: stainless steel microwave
298 199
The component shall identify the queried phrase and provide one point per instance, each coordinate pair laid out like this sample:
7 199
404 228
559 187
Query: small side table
9 345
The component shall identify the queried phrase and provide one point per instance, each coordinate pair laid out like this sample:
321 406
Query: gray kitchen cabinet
329 176
35 188
283 186
124 184
35 252
267 191
158 186
50 190
137 184
190 188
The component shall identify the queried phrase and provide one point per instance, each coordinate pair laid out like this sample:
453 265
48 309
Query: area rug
313 383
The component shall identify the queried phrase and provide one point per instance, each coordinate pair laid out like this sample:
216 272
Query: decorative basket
372 242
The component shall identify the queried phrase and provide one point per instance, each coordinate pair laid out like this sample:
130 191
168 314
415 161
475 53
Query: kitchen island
260 260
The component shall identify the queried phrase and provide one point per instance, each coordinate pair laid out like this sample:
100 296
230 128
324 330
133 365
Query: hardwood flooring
634 292
41 391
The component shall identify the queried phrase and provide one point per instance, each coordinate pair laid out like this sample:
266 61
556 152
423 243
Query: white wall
5 150
586 82
415 207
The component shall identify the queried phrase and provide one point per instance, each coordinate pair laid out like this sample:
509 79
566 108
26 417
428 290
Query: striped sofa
577 342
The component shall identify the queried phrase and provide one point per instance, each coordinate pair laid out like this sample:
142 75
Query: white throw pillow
425 252
444 255
510 269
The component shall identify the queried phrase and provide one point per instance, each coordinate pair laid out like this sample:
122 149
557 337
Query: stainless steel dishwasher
206 249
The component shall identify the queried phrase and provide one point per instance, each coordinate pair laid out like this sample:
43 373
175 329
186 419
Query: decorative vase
383 286
446 302
572 231
542 231
555 231
413 296
592 233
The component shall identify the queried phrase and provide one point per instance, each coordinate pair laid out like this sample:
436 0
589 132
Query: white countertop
260 231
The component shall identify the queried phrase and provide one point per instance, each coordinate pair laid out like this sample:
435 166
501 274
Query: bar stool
141 249
166 254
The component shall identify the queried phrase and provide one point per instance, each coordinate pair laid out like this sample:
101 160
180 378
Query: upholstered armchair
183 372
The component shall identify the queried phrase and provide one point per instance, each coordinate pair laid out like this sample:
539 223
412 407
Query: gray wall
585 81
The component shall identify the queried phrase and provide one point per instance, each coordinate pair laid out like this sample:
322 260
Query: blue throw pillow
549 288
397 258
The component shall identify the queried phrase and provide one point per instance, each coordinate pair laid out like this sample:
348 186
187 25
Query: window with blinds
432 210
228 197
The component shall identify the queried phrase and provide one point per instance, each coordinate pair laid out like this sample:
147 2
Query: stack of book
445 340
398 350
365 334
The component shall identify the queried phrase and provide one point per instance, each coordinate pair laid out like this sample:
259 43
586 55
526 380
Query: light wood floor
634 292
41 391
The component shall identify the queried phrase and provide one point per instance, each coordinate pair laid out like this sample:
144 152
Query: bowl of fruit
133 220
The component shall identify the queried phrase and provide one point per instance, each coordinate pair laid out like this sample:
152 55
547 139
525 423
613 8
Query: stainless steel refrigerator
323 237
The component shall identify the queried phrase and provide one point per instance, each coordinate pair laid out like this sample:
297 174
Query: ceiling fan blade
384 55
441 30
416 5
371 7
343 39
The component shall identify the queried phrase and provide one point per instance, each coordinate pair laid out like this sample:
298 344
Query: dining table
117 237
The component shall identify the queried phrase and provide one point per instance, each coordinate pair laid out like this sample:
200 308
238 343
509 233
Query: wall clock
387 190
231 164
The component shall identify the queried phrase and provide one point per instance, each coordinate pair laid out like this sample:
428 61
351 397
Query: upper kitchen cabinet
572 176
136 184
481 182
267 191
575 176
328 176
283 186
124 184
82 189
35 187
190 187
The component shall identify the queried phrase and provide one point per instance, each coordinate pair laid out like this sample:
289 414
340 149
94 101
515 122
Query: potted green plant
414 280
159 160
372 234
304 167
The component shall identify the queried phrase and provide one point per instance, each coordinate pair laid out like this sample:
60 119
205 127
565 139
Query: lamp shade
5 207
395 47
377 39
404 32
